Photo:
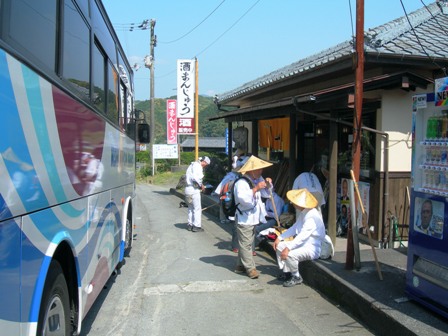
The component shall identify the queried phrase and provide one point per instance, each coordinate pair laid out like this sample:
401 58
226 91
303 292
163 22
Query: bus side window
31 27
99 82
112 93
75 60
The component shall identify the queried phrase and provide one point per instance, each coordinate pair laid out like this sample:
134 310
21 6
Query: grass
166 179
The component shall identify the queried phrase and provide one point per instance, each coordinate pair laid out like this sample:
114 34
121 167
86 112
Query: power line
351 19
216 40
234 24
187 33
418 39
432 15
131 27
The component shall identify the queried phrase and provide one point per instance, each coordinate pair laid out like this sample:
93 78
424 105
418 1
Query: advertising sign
441 91
171 122
185 96
165 151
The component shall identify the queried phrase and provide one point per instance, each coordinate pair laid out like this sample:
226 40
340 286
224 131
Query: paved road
178 282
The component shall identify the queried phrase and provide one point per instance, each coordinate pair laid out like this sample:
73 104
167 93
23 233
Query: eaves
401 80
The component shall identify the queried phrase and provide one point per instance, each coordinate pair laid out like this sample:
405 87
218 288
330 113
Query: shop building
301 116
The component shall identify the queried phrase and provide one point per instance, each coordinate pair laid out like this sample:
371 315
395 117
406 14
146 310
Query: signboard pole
196 110
153 160
151 93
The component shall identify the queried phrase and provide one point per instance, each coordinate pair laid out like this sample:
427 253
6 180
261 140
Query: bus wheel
54 314
128 238
127 244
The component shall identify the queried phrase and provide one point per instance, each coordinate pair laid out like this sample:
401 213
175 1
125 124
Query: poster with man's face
343 208
429 217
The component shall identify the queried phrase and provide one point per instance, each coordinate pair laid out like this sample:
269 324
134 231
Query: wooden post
357 116
196 109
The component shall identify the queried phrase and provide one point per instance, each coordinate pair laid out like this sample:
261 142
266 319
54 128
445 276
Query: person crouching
307 235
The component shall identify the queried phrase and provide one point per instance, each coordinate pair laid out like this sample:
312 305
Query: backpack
227 197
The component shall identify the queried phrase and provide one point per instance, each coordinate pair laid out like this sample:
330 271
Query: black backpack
227 197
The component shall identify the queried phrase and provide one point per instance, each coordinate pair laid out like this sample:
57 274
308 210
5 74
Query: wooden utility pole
357 116
152 128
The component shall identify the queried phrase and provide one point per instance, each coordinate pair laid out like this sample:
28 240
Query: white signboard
185 96
185 88
165 152
419 102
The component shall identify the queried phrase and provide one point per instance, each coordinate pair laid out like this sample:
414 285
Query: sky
236 41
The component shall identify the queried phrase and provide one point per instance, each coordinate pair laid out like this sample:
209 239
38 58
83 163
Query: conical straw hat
254 163
302 198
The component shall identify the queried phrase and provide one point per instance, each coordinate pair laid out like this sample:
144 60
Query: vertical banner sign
227 141
185 96
171 122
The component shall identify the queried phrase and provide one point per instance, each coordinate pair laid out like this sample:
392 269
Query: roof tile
394 37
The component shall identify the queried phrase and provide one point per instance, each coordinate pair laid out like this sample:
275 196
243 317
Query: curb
362 306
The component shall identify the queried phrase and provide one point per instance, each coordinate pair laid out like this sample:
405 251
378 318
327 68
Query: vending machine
427 263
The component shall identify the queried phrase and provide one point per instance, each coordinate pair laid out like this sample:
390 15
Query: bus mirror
130 130
143 133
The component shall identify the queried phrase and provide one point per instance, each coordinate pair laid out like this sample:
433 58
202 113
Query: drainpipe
386 159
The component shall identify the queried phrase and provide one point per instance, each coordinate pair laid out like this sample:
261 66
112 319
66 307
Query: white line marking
203 287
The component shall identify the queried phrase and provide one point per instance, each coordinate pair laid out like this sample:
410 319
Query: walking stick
209 206
368 229
273 205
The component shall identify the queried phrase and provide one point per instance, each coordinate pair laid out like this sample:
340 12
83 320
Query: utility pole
153 43
357 117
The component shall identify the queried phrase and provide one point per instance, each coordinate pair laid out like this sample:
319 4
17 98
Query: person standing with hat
251 211
307 233
194 176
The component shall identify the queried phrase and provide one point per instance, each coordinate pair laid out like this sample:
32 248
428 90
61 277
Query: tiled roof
396 37
215 142
429 24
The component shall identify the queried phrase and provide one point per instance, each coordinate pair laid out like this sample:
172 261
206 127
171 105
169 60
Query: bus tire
127 244
128 238
54 313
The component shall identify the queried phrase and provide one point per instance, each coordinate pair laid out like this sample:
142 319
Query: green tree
206 110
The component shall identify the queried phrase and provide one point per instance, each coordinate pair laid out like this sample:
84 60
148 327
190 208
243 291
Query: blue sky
238 40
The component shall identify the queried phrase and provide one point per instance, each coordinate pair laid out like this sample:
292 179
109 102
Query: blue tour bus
67 162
